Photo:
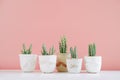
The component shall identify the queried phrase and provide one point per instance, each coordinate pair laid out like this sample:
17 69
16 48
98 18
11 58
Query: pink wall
44 21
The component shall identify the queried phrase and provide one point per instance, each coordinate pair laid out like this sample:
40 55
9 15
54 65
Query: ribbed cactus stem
63 45
73 52
92 49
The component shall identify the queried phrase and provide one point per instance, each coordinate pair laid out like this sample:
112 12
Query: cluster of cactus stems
62 48
26 51
73 52
92 49
44 50
63 45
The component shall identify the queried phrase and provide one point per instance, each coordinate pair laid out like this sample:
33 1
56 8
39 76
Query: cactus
63 45
92 49
26 51
51 51
44 50
73 52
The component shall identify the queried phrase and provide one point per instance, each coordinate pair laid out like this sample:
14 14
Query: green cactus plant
92 49
73 52
26 51
44 50
51 51
63 45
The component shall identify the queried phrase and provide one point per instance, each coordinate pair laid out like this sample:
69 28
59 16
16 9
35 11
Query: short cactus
63 45
51 51
26 51
44 50
73 52
92 49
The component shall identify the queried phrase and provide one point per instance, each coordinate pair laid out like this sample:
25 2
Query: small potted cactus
27 60
92 62
61 59
47 61
74 63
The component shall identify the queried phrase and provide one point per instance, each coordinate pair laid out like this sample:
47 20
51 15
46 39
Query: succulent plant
63 45
73 52
51 51
92 49
44 50
26 51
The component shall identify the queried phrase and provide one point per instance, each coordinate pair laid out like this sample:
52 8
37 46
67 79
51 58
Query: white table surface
37 75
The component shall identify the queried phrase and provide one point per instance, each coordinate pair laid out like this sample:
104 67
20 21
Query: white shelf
18 75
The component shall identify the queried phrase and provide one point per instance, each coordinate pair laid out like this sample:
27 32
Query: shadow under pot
27 62
47 63
93 64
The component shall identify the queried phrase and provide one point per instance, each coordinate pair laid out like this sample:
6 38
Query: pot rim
47 55
63 53
93 56
74 59
27 54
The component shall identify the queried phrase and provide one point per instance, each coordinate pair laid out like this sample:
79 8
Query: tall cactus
63 45
92 49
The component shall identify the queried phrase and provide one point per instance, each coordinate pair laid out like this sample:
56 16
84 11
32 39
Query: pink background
44 21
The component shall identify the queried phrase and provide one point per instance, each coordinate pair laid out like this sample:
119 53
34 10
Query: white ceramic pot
27 62
93 64
74 65
47 63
